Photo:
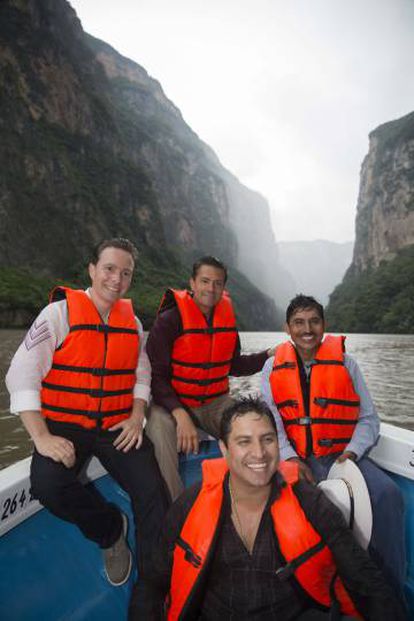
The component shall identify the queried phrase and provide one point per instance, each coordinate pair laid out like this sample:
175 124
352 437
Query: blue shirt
366 430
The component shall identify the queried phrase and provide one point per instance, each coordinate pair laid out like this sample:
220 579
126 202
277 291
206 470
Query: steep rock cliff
90 148
385 210
377 293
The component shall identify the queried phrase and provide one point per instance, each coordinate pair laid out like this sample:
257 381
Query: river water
386 361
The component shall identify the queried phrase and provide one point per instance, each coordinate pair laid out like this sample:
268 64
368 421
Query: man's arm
30 364
164 332
248 364
367 428
160 343
365 583
162 558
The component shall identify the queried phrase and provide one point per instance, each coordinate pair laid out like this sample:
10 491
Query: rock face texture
385 210
91 148
377 293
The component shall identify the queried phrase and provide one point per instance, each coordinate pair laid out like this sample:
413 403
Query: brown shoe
118 558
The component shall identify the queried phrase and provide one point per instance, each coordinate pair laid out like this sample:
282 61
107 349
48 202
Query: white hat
346 488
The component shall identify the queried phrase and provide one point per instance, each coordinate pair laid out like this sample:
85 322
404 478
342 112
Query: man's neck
246 494
102 308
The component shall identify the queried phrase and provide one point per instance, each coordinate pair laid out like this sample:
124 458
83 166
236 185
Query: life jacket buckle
321 401
325 442
285 572
305 420
98 372
96 393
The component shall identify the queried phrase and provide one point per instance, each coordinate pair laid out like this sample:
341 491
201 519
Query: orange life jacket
202 354
307 557
93 373
327 423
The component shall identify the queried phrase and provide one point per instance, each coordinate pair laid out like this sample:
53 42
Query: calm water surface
385 360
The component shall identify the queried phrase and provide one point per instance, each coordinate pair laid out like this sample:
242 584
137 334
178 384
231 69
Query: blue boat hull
50 572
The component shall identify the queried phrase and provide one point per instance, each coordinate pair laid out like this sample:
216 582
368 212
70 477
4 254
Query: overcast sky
284 91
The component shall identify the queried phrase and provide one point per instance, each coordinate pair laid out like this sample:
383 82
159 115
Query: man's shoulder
181 507
167 319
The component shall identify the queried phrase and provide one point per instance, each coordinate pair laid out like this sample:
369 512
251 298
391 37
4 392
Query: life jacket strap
286 571
102 327
201 365
94 415
97 372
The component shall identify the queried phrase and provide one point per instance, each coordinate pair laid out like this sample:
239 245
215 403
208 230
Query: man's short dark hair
209 260
304 302
244 405
115 242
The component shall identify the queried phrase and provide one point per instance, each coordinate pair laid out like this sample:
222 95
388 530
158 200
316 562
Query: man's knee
383 490
160 423
47 480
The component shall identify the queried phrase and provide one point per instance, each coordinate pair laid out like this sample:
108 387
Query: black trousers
136 471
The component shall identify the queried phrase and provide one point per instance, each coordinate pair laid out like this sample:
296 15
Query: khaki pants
161 430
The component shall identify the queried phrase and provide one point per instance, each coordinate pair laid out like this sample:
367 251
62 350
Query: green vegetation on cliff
378 300
23 295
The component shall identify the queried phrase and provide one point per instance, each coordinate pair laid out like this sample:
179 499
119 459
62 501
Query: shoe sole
124 532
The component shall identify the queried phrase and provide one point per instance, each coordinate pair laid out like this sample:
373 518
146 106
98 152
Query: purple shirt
166 329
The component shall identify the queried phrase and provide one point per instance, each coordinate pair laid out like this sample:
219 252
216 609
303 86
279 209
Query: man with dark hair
193 347
324 413
253 541
80 382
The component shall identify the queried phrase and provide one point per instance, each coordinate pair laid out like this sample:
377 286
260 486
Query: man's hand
187 436
346 455
271 351
57 448
132 428
305 473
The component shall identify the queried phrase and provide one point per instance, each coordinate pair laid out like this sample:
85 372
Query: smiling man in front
324 413
80 382
226 545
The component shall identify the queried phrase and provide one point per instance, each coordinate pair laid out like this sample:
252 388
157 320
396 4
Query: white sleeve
285 448
367 428
142 388
33 359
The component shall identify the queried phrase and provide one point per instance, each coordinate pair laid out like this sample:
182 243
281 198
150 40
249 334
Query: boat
50 572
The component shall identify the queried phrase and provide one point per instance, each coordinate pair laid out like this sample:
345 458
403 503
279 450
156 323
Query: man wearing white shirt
80 382
324 413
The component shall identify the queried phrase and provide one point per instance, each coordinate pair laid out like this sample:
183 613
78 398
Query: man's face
207 287
252 451
306 329
111 276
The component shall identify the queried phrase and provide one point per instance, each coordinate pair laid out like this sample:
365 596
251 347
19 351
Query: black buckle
285 572
325 442
97 393
321 401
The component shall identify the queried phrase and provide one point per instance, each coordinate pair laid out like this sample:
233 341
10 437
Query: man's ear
223 448
191 283
286 328
91 270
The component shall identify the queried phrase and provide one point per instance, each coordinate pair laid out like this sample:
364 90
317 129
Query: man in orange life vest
254 541
324 413
193 347
80 382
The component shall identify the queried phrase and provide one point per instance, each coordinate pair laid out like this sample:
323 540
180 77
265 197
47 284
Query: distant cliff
90 148
377 293
317 266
